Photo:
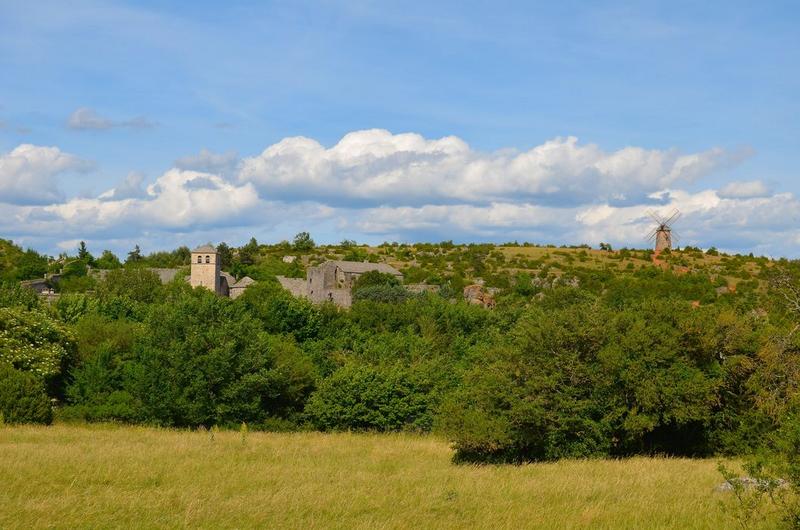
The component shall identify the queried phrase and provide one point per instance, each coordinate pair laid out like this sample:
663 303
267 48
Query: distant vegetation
588 353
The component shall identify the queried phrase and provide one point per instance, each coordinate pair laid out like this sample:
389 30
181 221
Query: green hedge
23 398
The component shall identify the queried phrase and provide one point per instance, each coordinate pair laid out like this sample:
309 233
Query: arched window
199 259
208 259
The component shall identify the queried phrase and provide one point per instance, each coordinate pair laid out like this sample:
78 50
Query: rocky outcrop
477 295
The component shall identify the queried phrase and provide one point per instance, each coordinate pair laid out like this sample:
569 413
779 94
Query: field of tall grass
109 476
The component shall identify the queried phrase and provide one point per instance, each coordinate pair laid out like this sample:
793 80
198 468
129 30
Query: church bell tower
206 268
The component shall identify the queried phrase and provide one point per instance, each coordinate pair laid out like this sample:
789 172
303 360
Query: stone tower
206 268
662 233
663 239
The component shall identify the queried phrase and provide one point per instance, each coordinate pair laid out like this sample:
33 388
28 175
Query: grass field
107 476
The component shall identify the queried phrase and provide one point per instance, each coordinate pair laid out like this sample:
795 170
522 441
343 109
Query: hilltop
498 267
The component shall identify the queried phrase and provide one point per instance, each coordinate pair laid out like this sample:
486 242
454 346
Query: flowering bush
33 342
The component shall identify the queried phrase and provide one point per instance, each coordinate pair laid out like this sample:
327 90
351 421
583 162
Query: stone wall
297 286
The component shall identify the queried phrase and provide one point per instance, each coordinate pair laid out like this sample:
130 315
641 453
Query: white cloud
378 167
708 220
210 162
129 188
177 200
379 186
85 118
27 174
744 190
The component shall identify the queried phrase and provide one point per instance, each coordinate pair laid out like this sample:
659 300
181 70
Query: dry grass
106 476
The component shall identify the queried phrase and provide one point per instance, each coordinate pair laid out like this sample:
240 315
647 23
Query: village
330 281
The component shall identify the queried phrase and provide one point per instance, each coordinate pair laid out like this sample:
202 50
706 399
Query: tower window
208 259
199 259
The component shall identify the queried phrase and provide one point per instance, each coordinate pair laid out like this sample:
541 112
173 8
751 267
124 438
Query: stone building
206 269
206 272
332 281
238 288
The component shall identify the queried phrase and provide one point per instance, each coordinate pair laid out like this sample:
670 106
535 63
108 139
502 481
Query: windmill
662 234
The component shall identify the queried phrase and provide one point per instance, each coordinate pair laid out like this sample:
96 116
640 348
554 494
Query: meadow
101 476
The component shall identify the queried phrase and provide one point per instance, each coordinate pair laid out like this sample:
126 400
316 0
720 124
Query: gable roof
229 279
206 249
360 267
244 282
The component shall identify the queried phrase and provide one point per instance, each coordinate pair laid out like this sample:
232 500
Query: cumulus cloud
174 201
210 162
744 190
28 173
707 220
378 167
129 188
85 118
377 185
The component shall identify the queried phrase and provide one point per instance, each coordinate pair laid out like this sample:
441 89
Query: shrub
32 341
373 278
22 397
13 294
382 293
366 398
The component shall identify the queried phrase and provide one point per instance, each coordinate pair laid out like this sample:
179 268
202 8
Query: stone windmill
662 234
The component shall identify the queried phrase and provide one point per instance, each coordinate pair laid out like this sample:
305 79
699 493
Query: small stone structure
332 281
40 285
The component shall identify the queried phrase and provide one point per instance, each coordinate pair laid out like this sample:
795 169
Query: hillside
502 267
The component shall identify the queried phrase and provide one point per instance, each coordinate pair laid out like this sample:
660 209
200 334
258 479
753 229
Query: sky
179 123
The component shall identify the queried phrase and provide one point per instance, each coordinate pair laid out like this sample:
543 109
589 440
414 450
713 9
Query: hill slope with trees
586 353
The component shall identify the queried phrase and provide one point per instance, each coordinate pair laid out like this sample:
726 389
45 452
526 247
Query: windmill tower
662 234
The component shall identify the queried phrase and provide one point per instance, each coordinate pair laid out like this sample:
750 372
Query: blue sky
177 123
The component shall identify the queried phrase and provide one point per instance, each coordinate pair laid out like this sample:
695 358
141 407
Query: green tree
108 260
204 361
135 255
225 255
303 242
83 253
135 283
249 252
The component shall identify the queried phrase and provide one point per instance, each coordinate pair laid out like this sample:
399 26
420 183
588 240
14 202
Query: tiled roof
228 278
361 267
244 282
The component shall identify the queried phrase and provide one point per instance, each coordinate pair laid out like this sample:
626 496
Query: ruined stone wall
297 286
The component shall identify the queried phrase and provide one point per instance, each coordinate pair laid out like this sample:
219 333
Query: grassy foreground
107 476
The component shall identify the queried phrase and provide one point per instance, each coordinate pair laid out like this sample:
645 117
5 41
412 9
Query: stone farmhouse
332 281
